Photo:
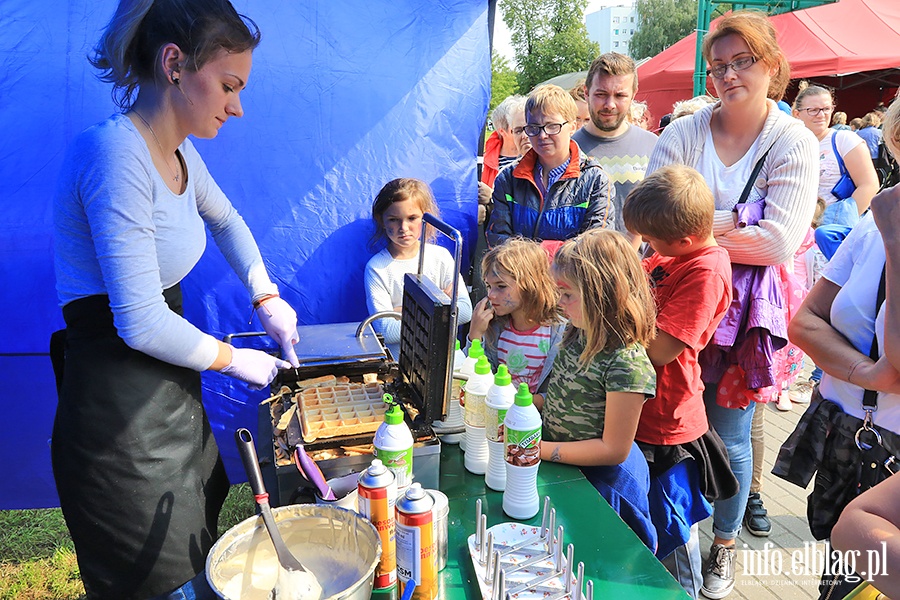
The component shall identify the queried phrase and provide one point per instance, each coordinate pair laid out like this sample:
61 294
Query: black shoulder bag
876 463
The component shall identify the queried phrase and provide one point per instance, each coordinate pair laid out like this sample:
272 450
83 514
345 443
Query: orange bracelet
258 303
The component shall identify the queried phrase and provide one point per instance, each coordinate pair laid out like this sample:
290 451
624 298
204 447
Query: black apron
137 469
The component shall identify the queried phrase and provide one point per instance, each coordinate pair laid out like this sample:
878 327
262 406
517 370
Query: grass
37 558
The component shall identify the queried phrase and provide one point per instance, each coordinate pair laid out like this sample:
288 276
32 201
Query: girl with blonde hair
519 322
602 375
397 214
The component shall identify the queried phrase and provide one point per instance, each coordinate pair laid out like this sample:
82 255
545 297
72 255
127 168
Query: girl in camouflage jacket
602 375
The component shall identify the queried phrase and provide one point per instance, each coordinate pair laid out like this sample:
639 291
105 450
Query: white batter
253 575
296 585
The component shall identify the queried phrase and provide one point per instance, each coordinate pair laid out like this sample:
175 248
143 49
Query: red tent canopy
851 45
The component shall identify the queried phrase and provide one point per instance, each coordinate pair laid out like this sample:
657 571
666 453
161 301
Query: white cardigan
788 182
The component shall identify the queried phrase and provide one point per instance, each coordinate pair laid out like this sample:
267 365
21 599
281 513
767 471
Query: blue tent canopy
342 98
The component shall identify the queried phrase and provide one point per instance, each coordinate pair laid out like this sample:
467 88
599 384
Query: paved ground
764 565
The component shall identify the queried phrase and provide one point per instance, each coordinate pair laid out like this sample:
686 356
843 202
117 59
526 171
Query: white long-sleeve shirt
788 183
384 286
119 230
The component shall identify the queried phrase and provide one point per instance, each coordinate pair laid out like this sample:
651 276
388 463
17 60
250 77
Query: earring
175 79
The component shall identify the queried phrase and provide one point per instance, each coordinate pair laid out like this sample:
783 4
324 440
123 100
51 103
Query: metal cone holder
516 561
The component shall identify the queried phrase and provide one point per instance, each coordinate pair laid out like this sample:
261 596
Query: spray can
416 551
394 445
523 456
467 370
454 410
476 391
377 497
500 397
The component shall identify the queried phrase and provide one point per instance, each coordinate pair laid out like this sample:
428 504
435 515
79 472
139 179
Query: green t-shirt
575 403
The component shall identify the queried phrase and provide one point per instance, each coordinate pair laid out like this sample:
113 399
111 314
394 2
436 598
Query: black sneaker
718 572
756 518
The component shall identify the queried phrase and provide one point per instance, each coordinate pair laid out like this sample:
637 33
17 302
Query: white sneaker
784 401
801 392
718 572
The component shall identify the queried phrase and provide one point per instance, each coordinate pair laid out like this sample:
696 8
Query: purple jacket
754 326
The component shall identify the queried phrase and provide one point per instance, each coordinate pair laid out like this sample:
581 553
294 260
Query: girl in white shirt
397 211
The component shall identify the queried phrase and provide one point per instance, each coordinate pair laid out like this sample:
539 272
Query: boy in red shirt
672 210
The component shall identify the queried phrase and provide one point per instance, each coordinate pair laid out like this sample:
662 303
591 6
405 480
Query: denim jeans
842 212
195 589
733 426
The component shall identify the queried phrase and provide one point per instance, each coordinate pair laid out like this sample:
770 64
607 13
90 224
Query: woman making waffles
138 472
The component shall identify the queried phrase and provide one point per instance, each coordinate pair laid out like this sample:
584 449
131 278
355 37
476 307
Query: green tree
503 80
548 37
662 23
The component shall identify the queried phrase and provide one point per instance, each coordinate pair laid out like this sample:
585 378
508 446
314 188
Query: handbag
844 187
877 463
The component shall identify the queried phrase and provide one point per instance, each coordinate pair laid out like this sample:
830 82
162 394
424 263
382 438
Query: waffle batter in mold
342 409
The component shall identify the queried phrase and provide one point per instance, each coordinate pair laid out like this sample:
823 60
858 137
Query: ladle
288 561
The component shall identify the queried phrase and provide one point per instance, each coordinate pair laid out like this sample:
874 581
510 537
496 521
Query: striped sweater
788 182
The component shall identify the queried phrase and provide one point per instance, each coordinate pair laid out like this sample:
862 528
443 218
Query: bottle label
399 462
523 448
377 505
456 390
493 423
474 416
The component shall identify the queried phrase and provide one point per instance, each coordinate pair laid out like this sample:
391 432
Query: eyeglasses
745 62
549 129
814 112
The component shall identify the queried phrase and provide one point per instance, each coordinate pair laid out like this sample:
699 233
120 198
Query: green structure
705 9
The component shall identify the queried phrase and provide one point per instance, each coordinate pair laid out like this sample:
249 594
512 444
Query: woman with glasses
555 191
727 141
814 106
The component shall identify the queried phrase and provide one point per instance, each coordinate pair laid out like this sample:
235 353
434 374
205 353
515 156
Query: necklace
175 176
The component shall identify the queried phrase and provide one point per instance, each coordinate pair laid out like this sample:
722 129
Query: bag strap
753 175
840 159
870 397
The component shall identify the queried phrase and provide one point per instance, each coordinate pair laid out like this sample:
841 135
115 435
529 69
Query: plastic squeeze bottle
454 410
523 456
500 397
394 445
476 391
468 370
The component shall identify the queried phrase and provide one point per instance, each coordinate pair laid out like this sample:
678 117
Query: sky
501 32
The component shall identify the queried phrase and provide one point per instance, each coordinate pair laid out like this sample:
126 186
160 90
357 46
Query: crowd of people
787 188
652 291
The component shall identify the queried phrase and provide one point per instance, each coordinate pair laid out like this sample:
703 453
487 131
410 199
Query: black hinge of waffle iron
428 330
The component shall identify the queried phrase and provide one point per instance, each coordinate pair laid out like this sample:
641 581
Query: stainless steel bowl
339 546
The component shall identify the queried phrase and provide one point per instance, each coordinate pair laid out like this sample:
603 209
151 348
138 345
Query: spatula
288 561
312 473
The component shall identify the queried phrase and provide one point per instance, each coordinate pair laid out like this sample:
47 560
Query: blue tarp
343 97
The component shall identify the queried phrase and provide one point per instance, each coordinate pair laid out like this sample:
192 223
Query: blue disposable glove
254 367
280 322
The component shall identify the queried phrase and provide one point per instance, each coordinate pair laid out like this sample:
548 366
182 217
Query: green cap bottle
523 396
502 377
394 414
